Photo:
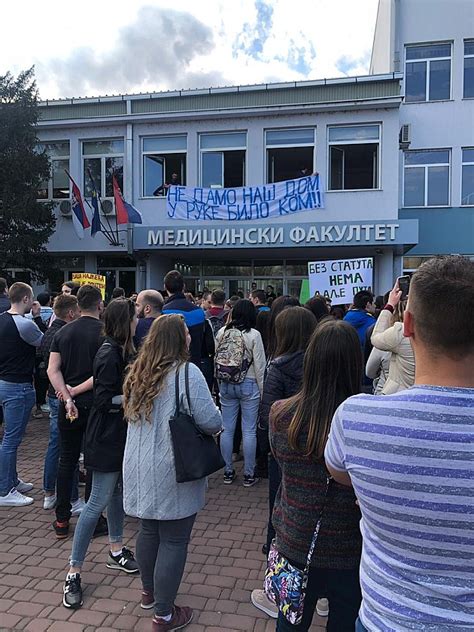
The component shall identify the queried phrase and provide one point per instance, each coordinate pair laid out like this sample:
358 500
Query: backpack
232 357
217 322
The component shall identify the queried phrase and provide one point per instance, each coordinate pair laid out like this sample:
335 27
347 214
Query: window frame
67 157
468 163
283 146
466 56
425 167
103 157
428 66
355 142
221 150
165 152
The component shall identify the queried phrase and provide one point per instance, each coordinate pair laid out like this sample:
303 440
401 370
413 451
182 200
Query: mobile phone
404 286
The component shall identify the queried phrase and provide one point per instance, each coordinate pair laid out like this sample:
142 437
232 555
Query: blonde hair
163 347
399 312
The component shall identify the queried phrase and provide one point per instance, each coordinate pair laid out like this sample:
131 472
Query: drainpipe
396 36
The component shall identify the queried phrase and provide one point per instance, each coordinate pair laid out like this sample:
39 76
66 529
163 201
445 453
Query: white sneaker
15 499
45 408
322 607
263 603
24 487
77 507
49 502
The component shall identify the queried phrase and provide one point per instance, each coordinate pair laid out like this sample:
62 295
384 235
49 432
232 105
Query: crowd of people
361 419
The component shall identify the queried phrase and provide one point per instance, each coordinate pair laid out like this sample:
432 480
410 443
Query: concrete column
90 262
383 272
397 266
157 267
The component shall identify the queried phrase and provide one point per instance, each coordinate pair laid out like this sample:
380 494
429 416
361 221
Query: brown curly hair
163 348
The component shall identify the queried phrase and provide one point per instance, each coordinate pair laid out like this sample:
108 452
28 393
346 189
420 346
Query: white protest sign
339 280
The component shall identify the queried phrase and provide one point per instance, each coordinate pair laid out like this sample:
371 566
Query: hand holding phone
404 286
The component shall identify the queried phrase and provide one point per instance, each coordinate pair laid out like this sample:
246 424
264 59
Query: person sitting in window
163 189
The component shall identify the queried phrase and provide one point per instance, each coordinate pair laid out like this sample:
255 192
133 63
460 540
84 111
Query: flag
79 217
95 205
126 213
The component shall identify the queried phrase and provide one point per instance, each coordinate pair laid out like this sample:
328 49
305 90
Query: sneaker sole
76 607
62 537
16 504
250 484
147 607
180 627
268 612
120 568
322 613
228 482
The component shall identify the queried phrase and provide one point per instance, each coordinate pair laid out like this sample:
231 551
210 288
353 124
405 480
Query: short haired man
71 357
410 458
217 313
19 338
177 303
259 299
206 300
149 305
4 300
361 315
118 292
66 309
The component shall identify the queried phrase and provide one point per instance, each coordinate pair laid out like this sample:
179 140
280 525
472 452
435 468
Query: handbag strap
318 526
176 391
186 383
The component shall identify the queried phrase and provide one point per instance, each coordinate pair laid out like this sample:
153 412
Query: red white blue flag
125 212
79 217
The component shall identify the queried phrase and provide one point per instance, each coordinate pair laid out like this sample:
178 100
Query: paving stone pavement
224 565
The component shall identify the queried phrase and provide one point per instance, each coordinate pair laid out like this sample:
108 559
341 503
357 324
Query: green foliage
25 223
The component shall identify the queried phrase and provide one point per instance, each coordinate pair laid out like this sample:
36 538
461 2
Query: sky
99 47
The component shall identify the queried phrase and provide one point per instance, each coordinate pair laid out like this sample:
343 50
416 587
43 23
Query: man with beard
149 305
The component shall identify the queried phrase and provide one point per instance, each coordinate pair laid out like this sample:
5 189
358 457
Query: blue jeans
52 454
360 627
246 398
17 401
106 492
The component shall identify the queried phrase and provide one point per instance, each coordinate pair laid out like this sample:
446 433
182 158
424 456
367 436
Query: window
468 69
289 152
57 187
467 187
163 156
102 158
426 181
223 159
428 73
354 157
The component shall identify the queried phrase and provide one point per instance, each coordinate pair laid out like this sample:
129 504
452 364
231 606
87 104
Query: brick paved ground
224 564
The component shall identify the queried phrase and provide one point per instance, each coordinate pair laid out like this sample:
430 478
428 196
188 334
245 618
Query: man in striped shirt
410 458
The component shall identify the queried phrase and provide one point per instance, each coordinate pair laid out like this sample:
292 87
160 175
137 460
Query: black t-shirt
78 342
19 338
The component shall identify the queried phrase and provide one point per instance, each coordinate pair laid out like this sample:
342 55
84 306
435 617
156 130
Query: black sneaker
229 477
72 592
102 528
61 529
249 481
124 562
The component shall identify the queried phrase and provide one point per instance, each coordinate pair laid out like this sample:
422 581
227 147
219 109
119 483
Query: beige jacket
387 337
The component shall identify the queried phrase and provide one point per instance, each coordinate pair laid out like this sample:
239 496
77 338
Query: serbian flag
126 213
79 217
95 205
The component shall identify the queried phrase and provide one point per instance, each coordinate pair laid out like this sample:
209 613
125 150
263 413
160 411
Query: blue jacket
194 318
361 321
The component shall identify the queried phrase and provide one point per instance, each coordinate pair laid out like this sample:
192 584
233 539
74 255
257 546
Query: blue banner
245 203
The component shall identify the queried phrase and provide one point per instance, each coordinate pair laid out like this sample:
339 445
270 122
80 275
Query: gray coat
150 489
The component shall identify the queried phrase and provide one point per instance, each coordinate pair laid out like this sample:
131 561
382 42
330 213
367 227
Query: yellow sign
87 278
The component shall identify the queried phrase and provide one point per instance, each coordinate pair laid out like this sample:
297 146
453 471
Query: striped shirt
410 457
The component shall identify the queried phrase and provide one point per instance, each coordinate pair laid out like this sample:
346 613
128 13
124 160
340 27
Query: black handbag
196 454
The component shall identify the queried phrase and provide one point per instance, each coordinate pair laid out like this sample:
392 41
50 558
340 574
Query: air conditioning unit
65 208
404 138
108 207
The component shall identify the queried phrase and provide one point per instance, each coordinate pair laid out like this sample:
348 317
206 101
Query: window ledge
152 197
351 190
409 208
468 98
405 102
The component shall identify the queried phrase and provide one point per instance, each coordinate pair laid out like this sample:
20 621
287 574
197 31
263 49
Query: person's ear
408 324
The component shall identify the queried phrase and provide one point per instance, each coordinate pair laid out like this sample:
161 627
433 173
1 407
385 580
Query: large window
467 189
289 153
354 157
428 72
468 69
57 187
426 181
223 159
103 158
164 162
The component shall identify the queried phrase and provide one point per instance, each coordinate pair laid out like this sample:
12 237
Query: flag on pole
96 227
79 217
126 213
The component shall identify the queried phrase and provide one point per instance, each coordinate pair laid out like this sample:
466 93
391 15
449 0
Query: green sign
304 292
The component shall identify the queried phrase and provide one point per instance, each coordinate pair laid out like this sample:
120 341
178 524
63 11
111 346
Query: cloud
251 40
300 56
353 65
154 52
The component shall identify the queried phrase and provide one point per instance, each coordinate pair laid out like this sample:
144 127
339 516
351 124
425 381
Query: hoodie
361 321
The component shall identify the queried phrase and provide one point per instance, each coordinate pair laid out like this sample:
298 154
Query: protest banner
340 279
87 278
244 203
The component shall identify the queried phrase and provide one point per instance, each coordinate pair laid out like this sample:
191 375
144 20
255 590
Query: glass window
278 137
224 141
224 168
57 187
428 73
426 178
100 163
354 157
164 163
164 143
290 153
467 189
468 69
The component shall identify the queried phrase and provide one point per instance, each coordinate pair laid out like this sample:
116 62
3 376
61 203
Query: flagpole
116 223
113 241
110 236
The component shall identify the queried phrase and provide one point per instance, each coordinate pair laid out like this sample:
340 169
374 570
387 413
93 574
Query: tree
25 223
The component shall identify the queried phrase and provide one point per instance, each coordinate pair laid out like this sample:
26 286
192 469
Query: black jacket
283 380
106 428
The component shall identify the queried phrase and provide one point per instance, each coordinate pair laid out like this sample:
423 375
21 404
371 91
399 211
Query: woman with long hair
166 509
104 448
299 428
244 396
278 305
